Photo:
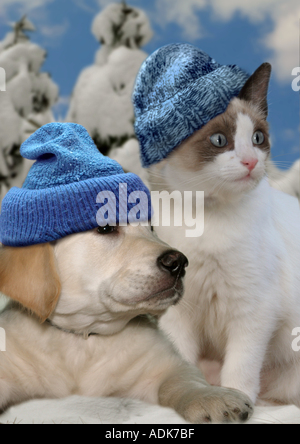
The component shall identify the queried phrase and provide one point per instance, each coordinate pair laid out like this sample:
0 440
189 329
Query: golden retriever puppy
82 321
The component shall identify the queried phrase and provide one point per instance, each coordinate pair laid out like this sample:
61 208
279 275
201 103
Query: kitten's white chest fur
242 297
239 264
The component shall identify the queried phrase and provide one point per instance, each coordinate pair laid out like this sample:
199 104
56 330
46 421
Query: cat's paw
216 405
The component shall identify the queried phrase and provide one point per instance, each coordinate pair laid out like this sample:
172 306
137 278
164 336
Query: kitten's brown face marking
228 172
197 150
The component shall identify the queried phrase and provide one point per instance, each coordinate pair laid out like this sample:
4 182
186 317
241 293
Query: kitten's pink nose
250 163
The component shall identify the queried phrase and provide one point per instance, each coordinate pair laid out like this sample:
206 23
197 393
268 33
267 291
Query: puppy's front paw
215 404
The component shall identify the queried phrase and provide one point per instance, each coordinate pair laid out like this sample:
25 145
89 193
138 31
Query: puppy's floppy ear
29 276
255 89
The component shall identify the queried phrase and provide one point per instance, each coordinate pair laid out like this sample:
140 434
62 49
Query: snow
101 100
128 156
20 91
119 25
10 123
287 181
26 53
26 103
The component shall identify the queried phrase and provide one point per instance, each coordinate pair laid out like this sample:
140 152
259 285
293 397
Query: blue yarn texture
59 195
179 89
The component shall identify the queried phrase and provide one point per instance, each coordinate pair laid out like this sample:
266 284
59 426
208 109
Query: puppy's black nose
174 262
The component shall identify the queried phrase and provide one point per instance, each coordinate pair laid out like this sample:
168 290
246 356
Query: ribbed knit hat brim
31 217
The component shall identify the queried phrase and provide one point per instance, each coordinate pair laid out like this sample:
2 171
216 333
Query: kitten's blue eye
258 138
218 140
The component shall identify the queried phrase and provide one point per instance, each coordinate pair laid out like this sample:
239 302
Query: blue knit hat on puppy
179 89
59 195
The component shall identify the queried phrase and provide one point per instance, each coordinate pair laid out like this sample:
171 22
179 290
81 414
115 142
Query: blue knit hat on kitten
179 89
59 195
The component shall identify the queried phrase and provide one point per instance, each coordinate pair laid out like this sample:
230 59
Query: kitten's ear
255 89
29 276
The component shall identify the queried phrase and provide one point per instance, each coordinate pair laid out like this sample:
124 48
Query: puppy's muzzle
173 262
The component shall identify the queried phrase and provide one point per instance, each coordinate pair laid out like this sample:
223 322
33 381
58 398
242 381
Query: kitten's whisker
278 155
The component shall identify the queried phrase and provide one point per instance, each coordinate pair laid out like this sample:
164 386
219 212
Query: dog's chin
165 297
171 297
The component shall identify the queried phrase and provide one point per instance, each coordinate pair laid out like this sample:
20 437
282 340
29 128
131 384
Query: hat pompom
64 153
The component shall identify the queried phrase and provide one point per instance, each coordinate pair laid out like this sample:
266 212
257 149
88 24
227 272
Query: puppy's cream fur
100 285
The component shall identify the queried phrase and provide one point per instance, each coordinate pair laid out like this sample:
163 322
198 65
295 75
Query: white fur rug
81 410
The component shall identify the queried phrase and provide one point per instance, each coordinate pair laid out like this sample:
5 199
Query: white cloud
183 13
11 10
22 6
54 31
255 10
86 7
103 3
283 40
290 134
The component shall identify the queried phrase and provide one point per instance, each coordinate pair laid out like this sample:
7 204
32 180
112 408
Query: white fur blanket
81 410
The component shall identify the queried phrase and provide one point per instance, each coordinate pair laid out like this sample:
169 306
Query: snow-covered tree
285 180
26 103
101 100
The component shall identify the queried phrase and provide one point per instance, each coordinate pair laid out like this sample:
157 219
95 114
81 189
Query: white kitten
242 297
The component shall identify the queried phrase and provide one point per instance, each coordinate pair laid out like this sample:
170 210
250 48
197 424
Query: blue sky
242 32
